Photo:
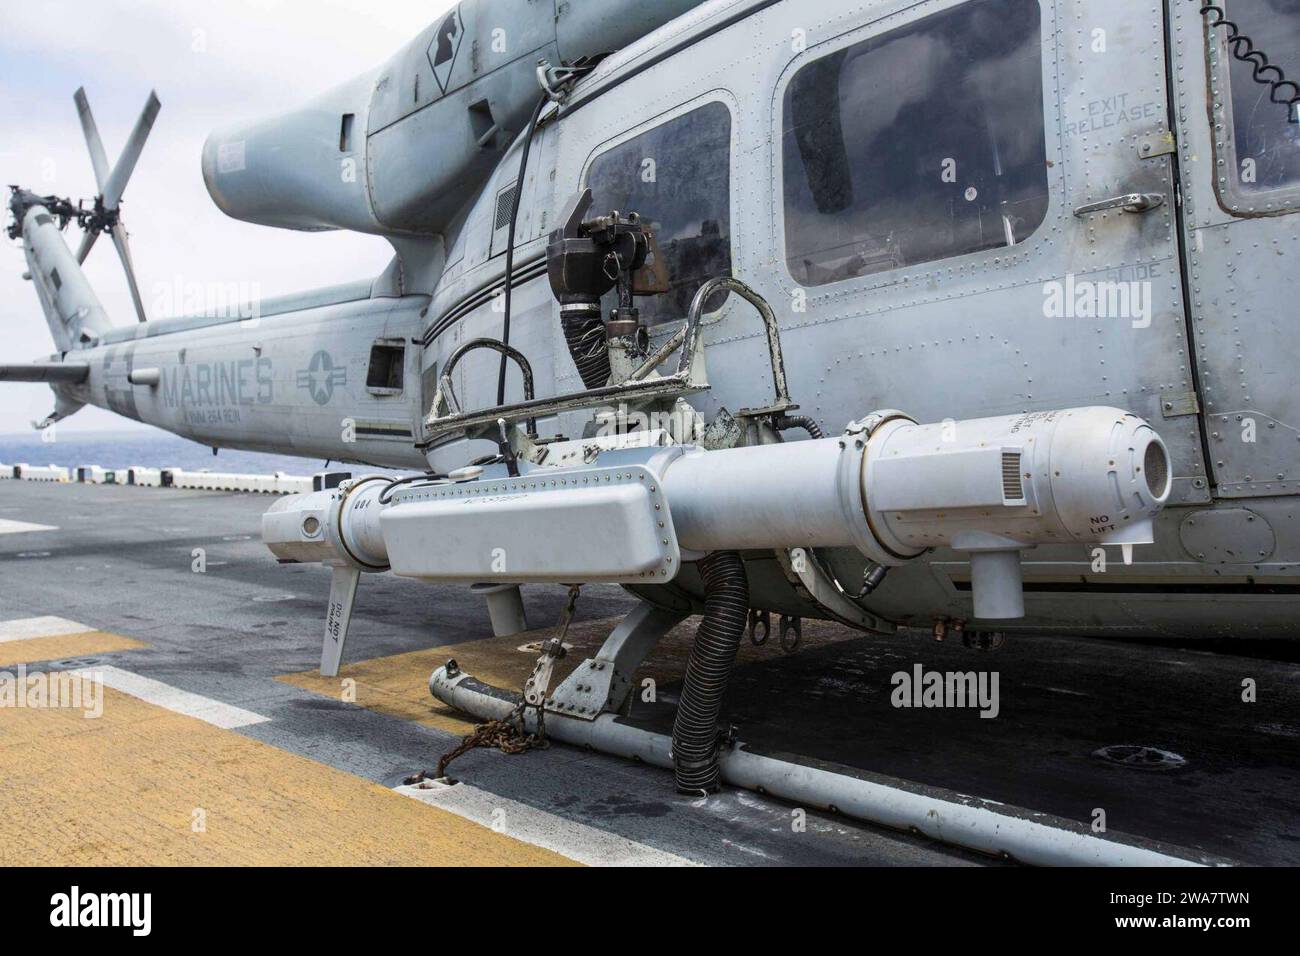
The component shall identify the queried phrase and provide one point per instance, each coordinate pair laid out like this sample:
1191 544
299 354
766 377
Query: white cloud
211 63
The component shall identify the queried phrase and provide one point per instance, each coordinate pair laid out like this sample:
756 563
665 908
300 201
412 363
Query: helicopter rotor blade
124 253
98 158
87 243
117 179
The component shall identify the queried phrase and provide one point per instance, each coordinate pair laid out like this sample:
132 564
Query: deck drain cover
1140 758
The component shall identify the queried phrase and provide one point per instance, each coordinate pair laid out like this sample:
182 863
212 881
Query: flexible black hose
585 337
805 422
695 730
510 240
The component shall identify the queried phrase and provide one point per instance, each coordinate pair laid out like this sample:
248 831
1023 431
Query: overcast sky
211 62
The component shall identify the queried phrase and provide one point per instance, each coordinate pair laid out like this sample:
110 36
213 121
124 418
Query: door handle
1129 202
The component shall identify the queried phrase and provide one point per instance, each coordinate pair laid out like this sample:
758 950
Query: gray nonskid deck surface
121 561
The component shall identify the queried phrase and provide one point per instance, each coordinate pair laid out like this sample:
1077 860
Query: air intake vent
1156 465
505 205
1012 487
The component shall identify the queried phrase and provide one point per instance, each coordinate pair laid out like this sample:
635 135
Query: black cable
1243 48
510 240
386 495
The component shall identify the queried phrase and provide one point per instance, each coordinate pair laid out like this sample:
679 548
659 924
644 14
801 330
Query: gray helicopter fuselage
289 382
1052 213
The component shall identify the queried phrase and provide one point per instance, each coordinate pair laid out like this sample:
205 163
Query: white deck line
9 526
577 841
225 716
26 628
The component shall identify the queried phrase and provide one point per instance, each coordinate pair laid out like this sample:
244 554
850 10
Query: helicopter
958 314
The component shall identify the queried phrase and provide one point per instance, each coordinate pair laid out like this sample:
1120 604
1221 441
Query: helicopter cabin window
1267 142
921 144
387 366
677 177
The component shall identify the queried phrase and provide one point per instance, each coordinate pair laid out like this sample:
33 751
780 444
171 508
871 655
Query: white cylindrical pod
339 526
888 487
893 489
293 528
1092 475
992 487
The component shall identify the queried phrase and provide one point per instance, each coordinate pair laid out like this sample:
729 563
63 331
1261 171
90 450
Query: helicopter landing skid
589 710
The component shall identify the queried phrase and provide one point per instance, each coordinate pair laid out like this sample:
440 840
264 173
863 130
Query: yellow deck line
398 686
129 787
31 650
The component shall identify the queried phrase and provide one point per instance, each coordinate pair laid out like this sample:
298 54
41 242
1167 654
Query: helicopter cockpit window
677 176
918 145
1267 143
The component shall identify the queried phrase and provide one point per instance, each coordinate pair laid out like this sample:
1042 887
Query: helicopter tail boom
72 310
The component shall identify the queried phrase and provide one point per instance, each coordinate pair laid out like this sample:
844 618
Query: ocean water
147 448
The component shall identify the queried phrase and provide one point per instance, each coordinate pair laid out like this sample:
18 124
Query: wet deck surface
246 633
